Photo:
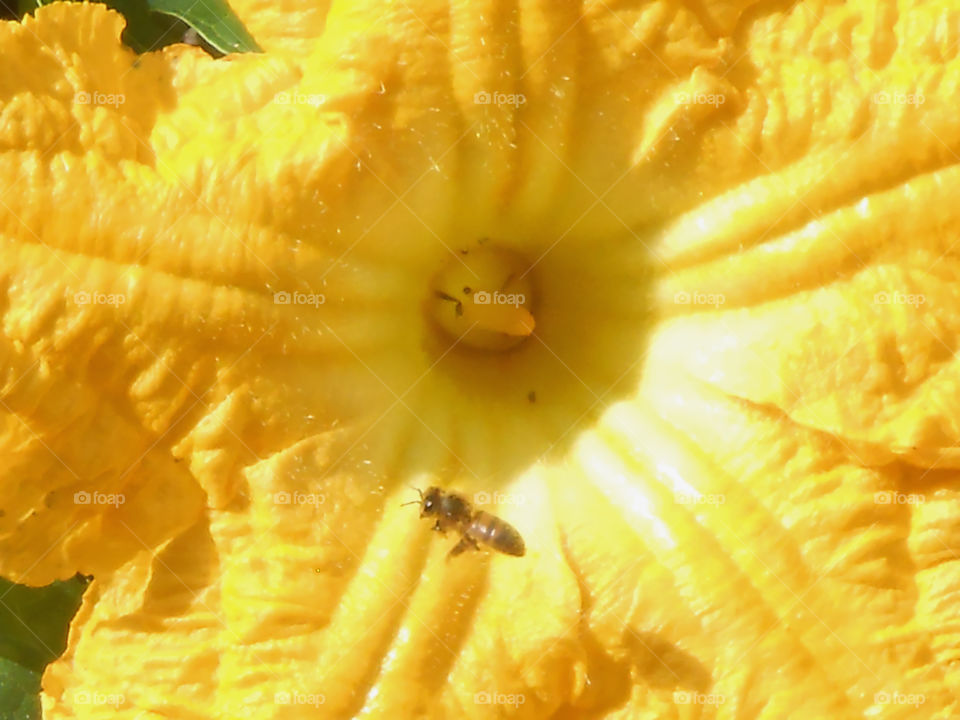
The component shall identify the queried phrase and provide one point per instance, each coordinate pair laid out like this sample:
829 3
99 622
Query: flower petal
251 370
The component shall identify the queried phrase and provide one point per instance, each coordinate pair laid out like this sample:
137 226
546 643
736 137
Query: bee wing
466 542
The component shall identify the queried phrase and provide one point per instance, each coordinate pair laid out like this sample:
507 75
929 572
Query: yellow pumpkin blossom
669 287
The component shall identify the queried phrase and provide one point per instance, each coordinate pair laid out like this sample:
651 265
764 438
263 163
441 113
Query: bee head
430 501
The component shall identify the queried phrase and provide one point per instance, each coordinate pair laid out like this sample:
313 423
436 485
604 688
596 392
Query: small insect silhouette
476 527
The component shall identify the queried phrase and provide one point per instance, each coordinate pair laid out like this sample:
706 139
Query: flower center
467 368
484 295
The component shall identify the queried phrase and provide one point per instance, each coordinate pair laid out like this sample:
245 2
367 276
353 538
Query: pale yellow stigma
507 319
483 296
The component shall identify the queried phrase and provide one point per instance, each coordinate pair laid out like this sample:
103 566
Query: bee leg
436 526
466 543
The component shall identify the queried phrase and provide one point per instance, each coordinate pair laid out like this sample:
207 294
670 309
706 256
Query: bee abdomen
498 534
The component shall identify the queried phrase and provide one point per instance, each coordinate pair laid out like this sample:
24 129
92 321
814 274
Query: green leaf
25 7
33 632
146 30
213 20
152 24
19 689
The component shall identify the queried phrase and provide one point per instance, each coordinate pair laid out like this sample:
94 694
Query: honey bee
476 527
